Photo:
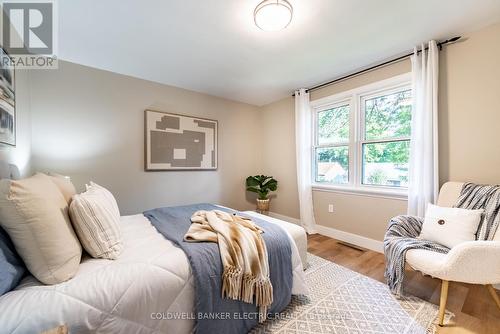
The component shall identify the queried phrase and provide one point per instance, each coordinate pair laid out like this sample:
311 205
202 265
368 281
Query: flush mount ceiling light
273 15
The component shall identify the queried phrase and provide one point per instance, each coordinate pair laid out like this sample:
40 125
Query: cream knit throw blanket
243 253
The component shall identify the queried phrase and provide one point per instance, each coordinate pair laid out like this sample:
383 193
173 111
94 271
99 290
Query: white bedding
151 277
297 233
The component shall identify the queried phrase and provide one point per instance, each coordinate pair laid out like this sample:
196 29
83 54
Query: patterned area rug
343 301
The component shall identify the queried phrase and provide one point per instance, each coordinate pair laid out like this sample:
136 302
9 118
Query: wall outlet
330 208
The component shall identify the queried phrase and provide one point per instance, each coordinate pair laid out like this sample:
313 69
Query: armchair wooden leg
493 294
442 301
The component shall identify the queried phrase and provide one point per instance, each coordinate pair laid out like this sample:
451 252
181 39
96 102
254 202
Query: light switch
330 208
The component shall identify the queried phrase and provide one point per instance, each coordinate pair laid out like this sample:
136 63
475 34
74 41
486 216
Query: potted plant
262 185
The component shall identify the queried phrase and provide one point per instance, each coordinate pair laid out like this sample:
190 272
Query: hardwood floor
474 309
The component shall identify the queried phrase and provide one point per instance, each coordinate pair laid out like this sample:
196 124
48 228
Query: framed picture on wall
178 142
7 103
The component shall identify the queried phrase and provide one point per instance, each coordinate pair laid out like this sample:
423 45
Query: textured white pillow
450 226
35 215
96 219
108 196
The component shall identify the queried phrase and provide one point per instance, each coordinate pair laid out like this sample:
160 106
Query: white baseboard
358 240
375 245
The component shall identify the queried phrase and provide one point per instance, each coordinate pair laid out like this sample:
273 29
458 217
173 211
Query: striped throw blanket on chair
403 231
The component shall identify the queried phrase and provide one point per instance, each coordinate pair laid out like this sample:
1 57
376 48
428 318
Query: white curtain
424 177
303 144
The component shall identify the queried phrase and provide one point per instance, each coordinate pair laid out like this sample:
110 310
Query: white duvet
141 292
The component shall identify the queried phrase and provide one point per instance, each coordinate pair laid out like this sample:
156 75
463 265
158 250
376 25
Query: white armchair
475 262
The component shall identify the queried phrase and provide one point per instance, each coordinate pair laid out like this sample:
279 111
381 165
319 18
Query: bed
149 289
297 233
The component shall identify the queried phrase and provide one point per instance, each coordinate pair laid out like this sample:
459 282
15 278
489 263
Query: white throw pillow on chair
450 226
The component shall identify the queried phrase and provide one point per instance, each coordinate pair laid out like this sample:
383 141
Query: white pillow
96 219
107 195
450 226
35 215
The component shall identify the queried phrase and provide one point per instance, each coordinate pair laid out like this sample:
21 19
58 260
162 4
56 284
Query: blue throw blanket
215 314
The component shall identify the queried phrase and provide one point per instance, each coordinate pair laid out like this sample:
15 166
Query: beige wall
358 214
20 155
363 79
469 126
89 124
469 111
278 154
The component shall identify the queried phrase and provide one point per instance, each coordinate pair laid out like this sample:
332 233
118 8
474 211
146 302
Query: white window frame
348 143
355 98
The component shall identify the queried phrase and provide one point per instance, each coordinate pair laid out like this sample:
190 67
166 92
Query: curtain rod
382 64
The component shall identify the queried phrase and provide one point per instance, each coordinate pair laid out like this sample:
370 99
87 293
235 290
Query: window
362 137
332 151
386 142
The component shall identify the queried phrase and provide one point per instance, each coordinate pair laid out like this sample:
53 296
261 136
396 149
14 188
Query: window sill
363 191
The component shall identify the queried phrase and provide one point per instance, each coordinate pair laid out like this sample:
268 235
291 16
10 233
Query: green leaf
252 181
261 184
253 189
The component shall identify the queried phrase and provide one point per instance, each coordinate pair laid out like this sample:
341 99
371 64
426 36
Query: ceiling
214 47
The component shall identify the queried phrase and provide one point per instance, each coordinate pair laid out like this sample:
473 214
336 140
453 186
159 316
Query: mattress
148 289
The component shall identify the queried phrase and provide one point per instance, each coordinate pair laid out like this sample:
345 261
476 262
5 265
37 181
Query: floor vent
352 246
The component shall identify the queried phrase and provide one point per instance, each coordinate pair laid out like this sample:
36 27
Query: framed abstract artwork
178 142
7 103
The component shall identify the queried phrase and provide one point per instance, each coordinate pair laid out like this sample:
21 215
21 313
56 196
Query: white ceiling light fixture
273 15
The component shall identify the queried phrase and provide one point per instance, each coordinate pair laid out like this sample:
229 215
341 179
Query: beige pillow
96 219
65 186
35 215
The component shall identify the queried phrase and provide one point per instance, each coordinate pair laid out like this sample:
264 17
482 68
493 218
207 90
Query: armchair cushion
426 261
474 262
